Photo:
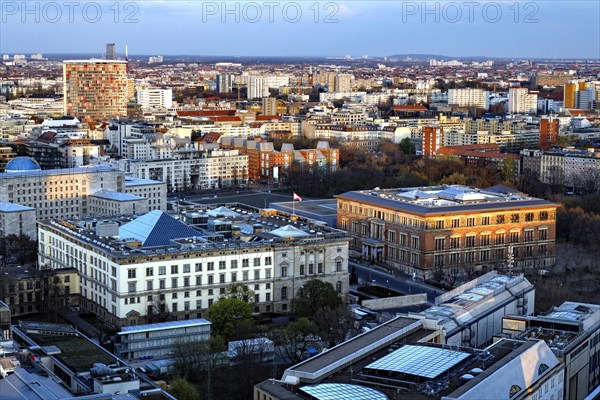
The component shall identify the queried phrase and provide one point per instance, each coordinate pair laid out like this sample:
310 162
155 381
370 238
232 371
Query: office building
16 219
572 331
522 101
133 270
63 193
156 340
401 360
469 97
155 98
95 88
110 51
269 106
454 230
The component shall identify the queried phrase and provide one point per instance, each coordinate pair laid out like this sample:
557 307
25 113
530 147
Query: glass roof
337 391
423 361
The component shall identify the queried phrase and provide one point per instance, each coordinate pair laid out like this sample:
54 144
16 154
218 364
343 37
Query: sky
469 28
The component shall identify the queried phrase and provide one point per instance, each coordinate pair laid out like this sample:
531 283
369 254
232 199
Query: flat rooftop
433 200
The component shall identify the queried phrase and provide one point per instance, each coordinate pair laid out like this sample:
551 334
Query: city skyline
302 29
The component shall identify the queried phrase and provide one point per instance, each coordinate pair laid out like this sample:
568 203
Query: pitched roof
156 228
288 231
222 212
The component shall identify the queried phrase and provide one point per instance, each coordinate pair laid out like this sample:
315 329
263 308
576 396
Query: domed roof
21 164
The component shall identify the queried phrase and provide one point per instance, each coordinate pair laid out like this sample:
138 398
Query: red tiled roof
267 117
204 113
210 137
226 118
410 107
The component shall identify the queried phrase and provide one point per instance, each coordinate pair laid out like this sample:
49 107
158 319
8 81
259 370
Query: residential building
157 340
155 98
342 82
133 270
469 97
549 130
269 106
522 101
433 139
454 230
95 88
572 331
224 82
6 154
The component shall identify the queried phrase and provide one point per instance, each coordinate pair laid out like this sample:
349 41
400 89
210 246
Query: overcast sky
551 28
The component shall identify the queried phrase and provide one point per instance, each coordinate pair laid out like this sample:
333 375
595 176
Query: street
401 284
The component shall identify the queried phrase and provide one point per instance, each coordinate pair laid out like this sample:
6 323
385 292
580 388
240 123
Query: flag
297 198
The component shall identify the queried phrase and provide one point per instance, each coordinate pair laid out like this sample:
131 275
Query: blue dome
20 164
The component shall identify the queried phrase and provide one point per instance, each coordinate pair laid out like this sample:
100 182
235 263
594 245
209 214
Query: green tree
240 291
508 169
228 315
183 390
314 296
407 147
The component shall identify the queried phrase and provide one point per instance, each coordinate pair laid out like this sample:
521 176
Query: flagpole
294 205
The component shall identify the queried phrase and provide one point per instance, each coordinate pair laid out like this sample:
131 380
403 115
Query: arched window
284 293
514 389
542 368
338 286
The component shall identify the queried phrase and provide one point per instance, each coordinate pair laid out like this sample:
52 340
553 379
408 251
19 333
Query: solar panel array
423 361
337 391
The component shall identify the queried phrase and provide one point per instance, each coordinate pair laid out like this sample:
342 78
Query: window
221 278
162 270
198 280
301 269
222 264
500 219
130 273
543 234
162 284
174 282
131 287
454 258
245 263
284 269
149 285
485 220
440 243
542 368
245 276
470 241
174 307
338 266
198 267
256 275
311 268
268 273
186 281
528 251
402 239
529 217
415 242
484 239
320 268
470 256
439 224
186 268
542 249
210 266
514 237
438 260
484 255
174 269
471 221
174 295
514 218
456 223
529 236
234 277
338 286
514 389
268 261
543 216
500 238
499 254
454 242
149 271
211 279
234 264
257 262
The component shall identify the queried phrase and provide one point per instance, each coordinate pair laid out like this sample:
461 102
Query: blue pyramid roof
156 228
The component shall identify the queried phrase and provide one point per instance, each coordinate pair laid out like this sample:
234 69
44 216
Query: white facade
469 97
521 101
155 98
